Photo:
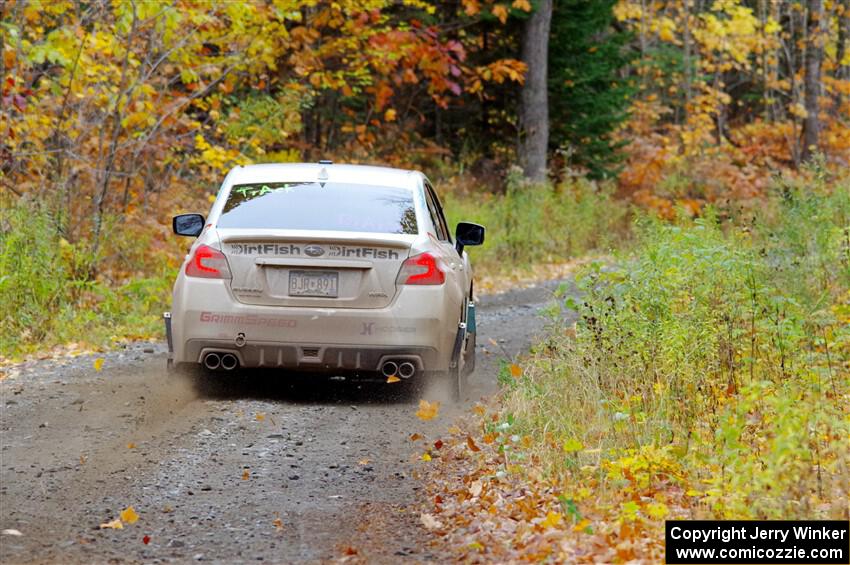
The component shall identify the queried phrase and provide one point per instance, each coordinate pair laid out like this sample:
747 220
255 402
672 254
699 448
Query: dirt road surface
244 468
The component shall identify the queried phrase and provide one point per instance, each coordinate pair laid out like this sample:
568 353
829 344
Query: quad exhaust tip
212 361
229 362
389 369
225 361
406 370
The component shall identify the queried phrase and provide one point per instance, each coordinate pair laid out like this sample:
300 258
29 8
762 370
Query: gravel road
252 467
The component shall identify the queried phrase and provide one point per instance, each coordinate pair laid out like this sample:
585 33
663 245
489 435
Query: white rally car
342 269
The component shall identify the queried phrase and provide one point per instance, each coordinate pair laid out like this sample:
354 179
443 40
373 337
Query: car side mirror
188 224
467 233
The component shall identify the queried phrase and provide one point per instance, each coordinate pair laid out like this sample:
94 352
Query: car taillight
208 263
421 269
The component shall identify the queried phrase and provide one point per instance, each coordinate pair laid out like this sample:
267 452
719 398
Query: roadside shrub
34 277
709 367
50 295
531 224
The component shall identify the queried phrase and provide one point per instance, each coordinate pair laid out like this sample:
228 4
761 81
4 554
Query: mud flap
458 346
166 318
457 376
470 317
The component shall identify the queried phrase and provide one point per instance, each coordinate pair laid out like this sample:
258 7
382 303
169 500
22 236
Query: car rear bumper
314 357
417 325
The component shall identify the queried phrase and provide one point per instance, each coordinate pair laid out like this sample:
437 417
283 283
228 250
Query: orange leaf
246 474
427 410
278 524
415 437
471 444
260 416
500 12
516 371
552 520
129 515
393 379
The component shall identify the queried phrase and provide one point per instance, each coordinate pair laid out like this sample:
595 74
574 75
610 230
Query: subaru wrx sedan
338 269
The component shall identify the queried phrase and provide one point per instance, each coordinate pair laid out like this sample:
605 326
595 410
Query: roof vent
325 162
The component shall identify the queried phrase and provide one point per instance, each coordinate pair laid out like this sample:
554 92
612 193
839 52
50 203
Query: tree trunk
812 85
534 101
842 72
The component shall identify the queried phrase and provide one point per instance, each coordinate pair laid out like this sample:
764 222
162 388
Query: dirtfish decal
290 249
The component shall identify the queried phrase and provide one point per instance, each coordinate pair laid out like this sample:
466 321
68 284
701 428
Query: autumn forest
688 160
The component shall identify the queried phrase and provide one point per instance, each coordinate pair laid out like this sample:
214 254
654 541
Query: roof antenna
323 174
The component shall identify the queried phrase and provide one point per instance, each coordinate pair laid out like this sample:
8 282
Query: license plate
313 283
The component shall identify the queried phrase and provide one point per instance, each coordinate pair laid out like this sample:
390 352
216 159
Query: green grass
714 356
531 224
50 296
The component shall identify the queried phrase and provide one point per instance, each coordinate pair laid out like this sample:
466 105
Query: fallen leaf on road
260 416
475 488
131 445
11 532
364 461
393 379
552 519
114 525
246 474
516 371
415 437
146 540
426 457
471 444
278 524
429 521
582 526
129 515
98 364
438 444
427 410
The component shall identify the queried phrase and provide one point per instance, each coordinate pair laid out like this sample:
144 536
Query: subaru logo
314 251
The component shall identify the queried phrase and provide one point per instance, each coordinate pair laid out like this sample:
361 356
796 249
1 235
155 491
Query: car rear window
320 206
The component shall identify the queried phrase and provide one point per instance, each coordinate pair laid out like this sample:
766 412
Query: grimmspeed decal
312 250
245 320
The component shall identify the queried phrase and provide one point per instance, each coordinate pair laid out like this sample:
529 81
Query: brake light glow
421 269
208 263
